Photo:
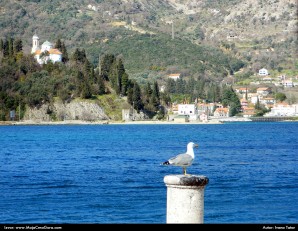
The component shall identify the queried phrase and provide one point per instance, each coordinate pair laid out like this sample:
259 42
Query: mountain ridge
245 27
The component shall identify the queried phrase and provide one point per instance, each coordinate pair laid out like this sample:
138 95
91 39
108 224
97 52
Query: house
283 109
244 103
221 112
263 91
46 52
248 112
268 102
206 108
287 83
253 97
188 109
242 90
263 72
174 76
267 80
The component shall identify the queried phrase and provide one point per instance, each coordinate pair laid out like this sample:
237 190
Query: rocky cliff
58 111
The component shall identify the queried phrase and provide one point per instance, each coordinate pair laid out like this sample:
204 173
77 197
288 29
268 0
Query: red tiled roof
51 52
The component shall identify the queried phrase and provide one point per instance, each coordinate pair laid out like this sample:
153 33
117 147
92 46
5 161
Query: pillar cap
186 180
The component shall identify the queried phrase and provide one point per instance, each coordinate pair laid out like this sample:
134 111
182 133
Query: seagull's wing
181 160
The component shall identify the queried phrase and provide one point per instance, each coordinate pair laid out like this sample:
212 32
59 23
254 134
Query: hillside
171 35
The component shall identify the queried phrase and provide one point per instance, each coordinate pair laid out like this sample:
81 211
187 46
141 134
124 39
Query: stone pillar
185 198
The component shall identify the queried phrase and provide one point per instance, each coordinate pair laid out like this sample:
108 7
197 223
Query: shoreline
110 122
81 122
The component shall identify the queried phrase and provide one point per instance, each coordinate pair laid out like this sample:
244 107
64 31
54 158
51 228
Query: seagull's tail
166 163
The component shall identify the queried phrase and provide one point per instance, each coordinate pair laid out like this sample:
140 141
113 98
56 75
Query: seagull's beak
196 145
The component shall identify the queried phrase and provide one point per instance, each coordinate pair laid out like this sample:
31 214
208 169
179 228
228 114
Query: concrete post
185 198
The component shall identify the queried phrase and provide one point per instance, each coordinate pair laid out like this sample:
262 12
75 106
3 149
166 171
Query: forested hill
200 38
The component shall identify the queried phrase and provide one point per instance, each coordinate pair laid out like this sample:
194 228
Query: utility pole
172 30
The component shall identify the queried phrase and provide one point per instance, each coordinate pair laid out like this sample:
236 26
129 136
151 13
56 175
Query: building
242 90
46 52
248 112
264 91
244 103
287 83
188 109
283 109
269 102
174 76
263 72
221 112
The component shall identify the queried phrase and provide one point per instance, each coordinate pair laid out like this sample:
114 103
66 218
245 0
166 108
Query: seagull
185 159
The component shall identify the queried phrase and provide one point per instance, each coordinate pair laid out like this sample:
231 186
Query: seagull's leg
184 170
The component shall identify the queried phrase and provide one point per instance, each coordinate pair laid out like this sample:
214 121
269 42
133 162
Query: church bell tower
35 44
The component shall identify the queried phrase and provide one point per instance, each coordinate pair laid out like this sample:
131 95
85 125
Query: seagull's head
192 145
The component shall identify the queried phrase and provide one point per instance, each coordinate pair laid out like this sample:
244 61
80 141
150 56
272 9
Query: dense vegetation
24 82
161 54
141 28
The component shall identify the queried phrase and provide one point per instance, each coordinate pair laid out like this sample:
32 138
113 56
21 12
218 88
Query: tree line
24 82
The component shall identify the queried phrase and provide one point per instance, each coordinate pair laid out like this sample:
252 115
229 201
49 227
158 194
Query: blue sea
103 174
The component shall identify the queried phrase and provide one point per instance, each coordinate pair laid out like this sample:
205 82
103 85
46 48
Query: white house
283 109
253 97
174 76
221 112
189 110
288 83
46 52
263 72
268 102
264 91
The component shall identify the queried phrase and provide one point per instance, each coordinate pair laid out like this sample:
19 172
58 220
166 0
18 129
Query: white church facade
46 52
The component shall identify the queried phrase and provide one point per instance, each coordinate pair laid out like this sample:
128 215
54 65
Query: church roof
35 37
51 52
47 43
55 52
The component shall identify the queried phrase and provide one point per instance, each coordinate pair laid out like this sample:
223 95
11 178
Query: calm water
112 173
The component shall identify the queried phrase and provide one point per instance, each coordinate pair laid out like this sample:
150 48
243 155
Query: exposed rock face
75 110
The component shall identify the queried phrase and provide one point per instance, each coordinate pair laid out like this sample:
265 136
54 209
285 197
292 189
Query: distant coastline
141 122
82 122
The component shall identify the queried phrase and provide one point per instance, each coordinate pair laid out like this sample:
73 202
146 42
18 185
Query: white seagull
185 159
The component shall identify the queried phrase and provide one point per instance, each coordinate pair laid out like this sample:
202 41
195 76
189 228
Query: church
46 52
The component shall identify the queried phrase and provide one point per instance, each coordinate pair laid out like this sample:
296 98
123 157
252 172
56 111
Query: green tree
124 84
1 45
199 33
10 47
106 63
155 97
79 55
101 86
147 93
64 53
58 44
279 96
6 48
86 90
18 46
136 97
231 99
120 73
